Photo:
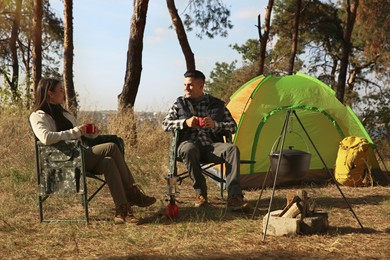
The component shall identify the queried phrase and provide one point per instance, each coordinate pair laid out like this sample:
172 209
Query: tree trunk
294 38
333 73
126 98
14 52
265 36
70 93
181 35
27 60
37 44
346 49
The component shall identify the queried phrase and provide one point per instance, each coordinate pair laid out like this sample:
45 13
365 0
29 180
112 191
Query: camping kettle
294 164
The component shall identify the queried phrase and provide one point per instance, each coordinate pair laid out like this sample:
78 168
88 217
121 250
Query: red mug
90 128
201 121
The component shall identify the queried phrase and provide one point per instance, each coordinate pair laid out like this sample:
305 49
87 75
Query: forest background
343 43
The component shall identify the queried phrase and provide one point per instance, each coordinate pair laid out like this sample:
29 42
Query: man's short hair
194 74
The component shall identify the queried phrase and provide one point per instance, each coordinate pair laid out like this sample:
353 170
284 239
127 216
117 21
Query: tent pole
283 134
328 171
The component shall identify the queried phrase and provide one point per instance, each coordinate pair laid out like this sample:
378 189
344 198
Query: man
201 119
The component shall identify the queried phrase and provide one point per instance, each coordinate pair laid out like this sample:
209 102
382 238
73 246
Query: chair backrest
59 167
173 144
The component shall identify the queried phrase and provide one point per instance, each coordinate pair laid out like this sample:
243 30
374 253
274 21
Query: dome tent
259 107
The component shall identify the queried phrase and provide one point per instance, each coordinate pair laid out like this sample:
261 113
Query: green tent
260 107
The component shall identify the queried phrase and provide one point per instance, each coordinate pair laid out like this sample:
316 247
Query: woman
51 123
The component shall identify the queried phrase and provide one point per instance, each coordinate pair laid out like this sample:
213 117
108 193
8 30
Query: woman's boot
121 214
136 197
130 216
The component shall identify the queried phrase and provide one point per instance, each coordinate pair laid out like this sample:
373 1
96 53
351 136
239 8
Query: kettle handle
277 139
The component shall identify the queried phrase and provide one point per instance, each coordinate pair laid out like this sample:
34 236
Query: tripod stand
283 137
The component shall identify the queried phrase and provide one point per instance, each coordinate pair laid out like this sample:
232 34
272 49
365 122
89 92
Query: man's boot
136 197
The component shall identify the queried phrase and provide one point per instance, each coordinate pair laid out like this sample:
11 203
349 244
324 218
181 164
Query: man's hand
192 122
208 122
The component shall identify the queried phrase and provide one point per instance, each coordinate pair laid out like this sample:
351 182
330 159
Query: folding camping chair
212 169
61 170
207 167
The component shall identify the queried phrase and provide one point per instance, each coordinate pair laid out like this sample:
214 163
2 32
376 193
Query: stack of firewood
297 205
298 217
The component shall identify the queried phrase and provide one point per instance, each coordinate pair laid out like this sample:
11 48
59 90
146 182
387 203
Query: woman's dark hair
41 97
41 102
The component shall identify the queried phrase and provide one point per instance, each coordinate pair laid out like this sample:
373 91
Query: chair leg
85 194
97 191
85 199
40 201
222 182
220 179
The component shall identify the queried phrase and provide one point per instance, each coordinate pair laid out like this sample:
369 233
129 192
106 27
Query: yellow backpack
351 163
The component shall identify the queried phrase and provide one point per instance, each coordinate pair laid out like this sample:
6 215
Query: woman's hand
97 131
83 130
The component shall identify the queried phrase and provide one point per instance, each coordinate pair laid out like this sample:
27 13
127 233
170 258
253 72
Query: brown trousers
107 159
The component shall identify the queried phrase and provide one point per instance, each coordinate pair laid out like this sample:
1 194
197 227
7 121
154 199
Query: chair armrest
60 152
67 143
228 137
247 161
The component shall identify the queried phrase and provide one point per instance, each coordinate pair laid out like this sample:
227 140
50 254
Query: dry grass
211 233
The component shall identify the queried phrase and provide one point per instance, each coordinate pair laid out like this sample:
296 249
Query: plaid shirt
176 120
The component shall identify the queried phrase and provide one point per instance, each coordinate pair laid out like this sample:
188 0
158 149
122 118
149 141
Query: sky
101 36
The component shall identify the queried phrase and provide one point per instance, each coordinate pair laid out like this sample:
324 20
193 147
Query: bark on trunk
71 100
37 43
294 38
181 35
333 74
126 98
265 36
346 49
13 48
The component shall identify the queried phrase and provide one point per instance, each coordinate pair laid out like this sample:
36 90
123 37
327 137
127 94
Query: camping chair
211 169
61 171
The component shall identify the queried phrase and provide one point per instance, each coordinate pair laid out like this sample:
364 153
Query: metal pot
294 164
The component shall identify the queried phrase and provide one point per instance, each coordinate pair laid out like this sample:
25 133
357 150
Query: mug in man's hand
201 121
90 128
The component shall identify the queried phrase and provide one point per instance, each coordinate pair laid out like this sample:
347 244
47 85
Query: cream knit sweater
44 128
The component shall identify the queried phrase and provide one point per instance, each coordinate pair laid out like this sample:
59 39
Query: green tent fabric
260 107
